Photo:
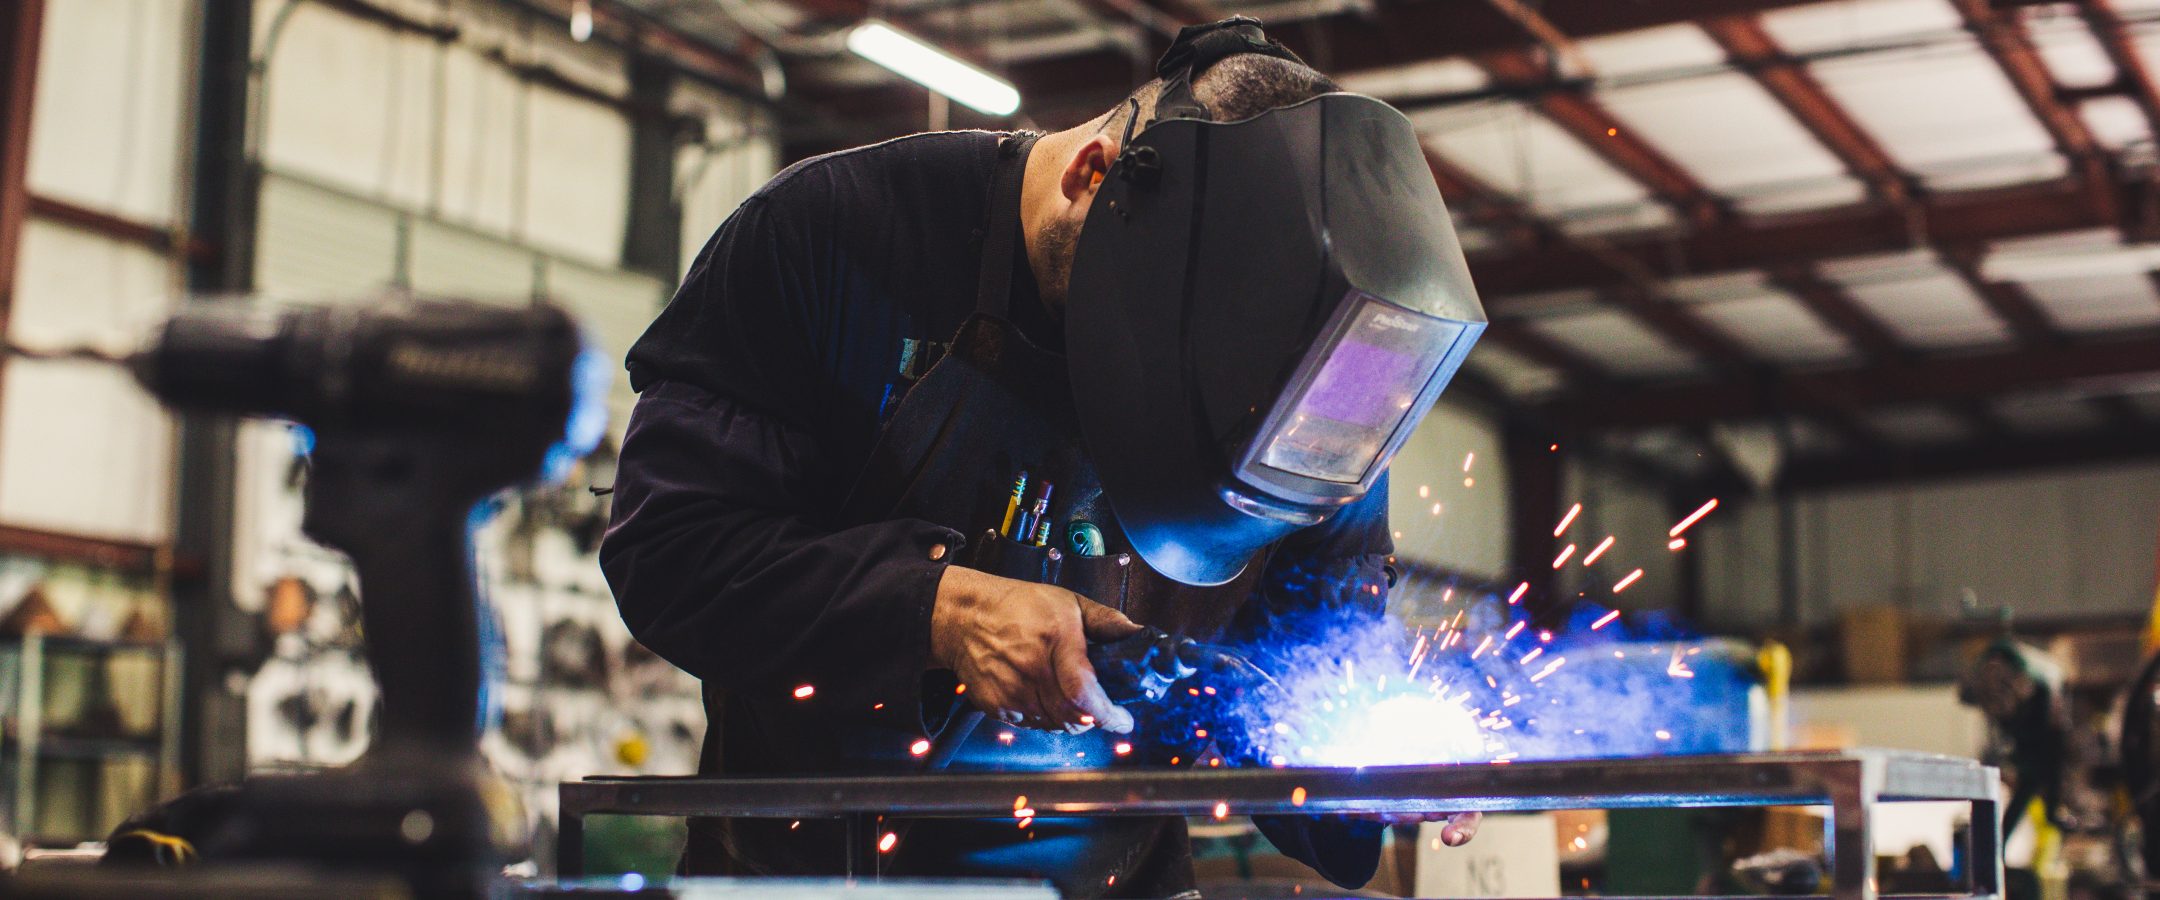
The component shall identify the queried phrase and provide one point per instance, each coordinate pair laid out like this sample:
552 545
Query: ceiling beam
1935 379
2002 33
1751 48
2008 300
1837 309
1588 122
1962 218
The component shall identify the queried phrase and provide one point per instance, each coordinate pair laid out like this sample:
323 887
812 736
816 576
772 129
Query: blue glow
303 439
632 881
1486 685
591 375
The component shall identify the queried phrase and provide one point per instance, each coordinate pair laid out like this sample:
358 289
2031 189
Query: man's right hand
1021 649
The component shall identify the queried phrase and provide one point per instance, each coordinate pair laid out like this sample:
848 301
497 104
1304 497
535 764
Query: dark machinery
420 411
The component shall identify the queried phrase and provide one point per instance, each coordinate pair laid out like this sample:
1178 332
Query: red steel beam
1752 49
1585 120
1935 379
21 23
2007 300
1837 309
21 28
2004 36
153 237
1961 218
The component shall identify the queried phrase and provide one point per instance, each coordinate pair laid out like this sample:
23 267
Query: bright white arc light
933 68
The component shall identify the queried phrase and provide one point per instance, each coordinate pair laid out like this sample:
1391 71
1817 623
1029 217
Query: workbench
1851 783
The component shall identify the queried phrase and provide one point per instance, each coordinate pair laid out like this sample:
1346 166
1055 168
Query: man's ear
1085 170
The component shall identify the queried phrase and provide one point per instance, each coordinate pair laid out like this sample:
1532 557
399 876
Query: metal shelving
29 743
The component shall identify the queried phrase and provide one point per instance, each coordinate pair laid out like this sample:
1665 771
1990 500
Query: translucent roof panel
1728 132
2116 122
2103 302
1771 199
1442 76
1521 154
1946 112
2048 414
1661 49
1515 373
1925 304
1919 425
1612 219
1545 303
1776 327
2072 54
1619 342
1738 285
1840 24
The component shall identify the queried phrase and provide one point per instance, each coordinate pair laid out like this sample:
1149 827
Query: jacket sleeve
720 549
718 567
1341 566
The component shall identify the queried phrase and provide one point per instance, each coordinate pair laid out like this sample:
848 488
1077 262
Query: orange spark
1567 520
1297 796
1631 578
1676 543
1516 597
885 844
1562 559
1222 810
1598 551
1692 517
1604 620
919 748
804 692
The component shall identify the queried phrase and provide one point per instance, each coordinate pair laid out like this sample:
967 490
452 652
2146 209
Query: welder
928 418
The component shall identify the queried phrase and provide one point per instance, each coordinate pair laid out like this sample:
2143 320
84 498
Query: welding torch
1139 669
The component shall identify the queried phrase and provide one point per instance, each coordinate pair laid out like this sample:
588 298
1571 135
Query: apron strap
993 287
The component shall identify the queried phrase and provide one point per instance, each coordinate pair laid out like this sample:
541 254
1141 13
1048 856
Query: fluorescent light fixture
932 68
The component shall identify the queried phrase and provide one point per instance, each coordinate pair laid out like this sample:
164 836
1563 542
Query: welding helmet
1259 314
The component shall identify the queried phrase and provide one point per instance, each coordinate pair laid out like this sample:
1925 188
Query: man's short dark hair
1236 88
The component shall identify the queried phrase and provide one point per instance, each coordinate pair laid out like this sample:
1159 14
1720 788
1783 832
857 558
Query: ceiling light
932 68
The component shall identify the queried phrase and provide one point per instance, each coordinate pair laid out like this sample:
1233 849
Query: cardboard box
1513 856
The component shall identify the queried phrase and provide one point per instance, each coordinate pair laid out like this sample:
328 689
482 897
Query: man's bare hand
1460 827
1021 649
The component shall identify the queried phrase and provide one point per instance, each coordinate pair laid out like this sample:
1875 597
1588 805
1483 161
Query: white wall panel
483 108
82 449
313 243
577 177
454 262
112 89
351 103
1469 532
615 307
737 157
2053 545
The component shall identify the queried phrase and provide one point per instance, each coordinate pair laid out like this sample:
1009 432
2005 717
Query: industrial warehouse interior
1080 448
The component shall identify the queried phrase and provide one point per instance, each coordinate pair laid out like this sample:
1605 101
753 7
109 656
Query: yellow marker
1012 504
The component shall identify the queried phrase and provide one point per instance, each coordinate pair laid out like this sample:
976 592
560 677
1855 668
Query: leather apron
995 404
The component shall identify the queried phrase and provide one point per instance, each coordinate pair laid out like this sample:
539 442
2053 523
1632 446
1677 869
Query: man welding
928 419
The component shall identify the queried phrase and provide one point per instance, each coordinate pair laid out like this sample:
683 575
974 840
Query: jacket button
937 552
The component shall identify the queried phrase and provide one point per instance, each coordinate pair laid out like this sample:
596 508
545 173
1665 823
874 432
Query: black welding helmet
1259 314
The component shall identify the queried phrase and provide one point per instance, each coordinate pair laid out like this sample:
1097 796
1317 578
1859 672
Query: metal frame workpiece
1849 782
